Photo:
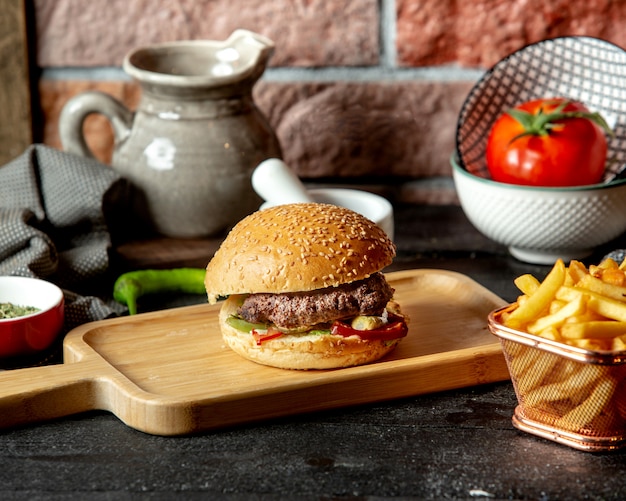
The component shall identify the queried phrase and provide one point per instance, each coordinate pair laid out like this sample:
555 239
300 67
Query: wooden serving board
169 373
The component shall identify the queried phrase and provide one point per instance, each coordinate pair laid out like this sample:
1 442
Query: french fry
619 343
524 359
587 316
610 308
609 264
551 333
543 395
536 374
599 286
575 307
584 414
583 376
570 388
609 271
569 293
567 370
555 306
600 329
614 276
605 306
591 344
577 271
540 300
527 284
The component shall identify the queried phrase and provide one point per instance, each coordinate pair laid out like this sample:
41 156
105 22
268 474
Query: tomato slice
395 329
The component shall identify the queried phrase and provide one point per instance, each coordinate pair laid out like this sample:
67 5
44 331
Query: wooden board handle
43 393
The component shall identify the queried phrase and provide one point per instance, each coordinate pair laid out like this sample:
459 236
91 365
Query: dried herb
10 310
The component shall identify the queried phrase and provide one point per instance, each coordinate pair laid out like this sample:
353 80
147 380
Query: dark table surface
458 444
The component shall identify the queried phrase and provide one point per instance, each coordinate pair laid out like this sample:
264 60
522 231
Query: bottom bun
302 351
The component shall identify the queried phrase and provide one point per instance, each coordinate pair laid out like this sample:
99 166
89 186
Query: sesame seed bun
303 351
297 247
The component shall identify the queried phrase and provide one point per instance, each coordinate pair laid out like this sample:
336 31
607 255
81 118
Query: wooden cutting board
169 373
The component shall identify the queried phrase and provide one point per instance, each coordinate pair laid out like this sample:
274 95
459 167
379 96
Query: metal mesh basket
584 69
566 394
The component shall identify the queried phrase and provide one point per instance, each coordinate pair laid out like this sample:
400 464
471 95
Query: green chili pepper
243 325
134 284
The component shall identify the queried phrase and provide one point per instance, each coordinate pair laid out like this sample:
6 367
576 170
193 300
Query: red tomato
548 142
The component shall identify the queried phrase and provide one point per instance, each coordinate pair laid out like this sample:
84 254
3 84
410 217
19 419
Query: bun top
297 247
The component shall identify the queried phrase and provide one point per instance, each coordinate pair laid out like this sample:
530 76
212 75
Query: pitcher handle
79 107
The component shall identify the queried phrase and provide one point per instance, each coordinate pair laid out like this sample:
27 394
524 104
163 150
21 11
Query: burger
304 288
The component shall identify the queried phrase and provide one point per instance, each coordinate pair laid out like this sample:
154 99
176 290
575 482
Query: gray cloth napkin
54 224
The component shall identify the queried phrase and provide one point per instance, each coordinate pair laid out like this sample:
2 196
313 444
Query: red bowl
34 332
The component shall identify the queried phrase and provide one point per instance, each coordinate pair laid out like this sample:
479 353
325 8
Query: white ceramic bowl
37 331
540 225
374 207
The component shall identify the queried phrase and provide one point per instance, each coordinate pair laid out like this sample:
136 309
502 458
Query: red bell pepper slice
395 329
265 335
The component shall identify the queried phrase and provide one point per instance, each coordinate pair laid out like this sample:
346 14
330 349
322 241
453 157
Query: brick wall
357 90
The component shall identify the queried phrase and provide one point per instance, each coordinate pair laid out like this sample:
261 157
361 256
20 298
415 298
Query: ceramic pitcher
192 144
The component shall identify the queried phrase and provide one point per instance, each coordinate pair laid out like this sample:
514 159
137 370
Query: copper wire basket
567 394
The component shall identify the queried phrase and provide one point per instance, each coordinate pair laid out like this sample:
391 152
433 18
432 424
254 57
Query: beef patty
297 309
